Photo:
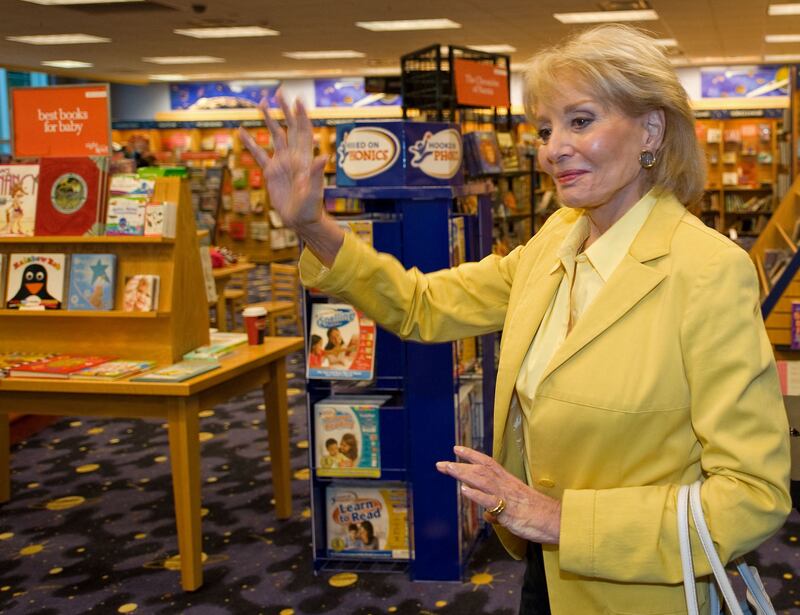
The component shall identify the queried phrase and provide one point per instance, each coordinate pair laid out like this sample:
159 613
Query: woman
633 356
348 451
366 533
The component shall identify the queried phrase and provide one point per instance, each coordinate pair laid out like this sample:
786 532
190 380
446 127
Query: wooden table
222 275
180 403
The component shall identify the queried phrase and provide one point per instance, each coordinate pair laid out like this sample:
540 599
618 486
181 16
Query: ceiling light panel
183 60
323 55
782 38
67 64
782 57
73 2
784 9
231 32
494 48
666 42
166 77
606 16
58 39
408 24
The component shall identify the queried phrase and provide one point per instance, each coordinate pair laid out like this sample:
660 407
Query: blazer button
546 483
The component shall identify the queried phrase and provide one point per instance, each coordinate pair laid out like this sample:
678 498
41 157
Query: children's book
35 281
130 184
367 522
58 366
341 343
221 343
113 370
482 153
92 280
141 293
19 187
71 195
10 360
178 372
160 219
508 151
347 437
126 215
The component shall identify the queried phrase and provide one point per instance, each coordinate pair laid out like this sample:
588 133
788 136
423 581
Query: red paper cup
255 323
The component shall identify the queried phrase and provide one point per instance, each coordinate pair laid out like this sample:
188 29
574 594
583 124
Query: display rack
178 325
418 425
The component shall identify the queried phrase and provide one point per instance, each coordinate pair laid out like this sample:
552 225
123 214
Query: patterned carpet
90 529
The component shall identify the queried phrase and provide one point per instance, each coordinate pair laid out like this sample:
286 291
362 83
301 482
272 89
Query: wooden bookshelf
179 324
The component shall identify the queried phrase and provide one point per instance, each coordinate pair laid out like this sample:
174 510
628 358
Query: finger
487 500
473 456
304 134
475 476
275 130
288 115
254 148
318 170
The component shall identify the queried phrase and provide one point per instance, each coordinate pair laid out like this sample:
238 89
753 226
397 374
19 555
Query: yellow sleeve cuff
313 274
576 543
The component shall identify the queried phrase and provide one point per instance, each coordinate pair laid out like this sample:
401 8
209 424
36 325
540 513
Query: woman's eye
544 134
581 122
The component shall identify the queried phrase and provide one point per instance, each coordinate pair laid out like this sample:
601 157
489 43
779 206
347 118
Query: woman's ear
654 124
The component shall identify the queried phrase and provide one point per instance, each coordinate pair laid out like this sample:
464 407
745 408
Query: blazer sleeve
737 413
464 301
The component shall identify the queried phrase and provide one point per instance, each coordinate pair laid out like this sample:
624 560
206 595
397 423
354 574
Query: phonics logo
368 151
438 154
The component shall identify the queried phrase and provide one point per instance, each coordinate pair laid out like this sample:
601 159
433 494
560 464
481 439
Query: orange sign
480 85
61 121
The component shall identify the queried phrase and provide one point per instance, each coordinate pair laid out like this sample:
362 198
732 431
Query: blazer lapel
629 284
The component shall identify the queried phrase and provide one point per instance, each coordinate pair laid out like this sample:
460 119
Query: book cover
19 187
795 326
126 215
347 437
178 372
367 522
10 360
483 153
35 281
130 184
141 293
160 219
341 343
92 280
508 151
71 191
113 370
221 343
58 366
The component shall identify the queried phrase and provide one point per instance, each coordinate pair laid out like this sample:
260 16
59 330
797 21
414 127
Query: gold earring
647 159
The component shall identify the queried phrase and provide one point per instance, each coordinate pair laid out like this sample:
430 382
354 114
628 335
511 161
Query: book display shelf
743 173
179 324
426 408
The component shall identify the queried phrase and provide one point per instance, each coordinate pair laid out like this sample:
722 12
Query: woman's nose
558 146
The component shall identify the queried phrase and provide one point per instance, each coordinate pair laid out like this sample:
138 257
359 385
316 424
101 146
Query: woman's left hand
528 514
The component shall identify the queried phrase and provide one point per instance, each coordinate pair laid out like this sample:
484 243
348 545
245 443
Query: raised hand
524 511
295 178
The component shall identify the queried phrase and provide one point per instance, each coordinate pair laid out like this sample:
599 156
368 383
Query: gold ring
501 506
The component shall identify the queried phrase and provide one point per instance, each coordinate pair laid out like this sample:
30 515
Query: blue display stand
418 425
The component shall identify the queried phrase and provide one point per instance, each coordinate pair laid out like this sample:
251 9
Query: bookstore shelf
419 424
91 239
81 314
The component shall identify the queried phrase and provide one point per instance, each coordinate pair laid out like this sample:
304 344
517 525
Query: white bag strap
717 568
689 502
684 540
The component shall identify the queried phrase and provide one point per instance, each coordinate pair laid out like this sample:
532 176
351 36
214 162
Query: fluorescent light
494 48
782 57
231 32
408 24
67 64
666 42
724 60
323 55
606 16
68 2
166 77
782 38
183 60
784 9
58 39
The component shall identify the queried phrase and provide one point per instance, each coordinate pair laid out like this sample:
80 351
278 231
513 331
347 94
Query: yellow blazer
667 376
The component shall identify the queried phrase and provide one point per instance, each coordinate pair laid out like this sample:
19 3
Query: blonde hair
627 71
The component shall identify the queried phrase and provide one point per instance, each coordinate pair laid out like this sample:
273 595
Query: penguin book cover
92 280
35 281
71 195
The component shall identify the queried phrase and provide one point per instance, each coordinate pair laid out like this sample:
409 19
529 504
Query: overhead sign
744 81
479 84
64 121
